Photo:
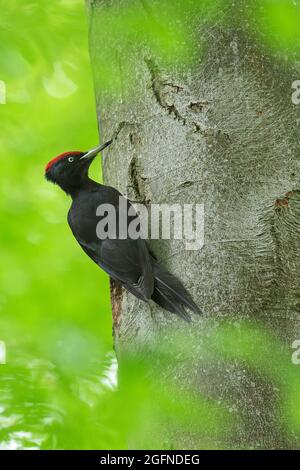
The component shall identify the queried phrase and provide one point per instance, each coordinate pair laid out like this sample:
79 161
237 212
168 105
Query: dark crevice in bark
116 295
158 85
198 106
135 180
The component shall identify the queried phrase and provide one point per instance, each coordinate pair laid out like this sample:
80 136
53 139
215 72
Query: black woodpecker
128 261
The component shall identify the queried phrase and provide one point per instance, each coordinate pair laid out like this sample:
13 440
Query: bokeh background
58 388
54 303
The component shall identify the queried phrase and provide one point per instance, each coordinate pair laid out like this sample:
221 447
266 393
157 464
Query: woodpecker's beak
93 152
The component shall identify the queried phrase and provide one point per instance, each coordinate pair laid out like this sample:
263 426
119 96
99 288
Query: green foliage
54 303
57 389
278 22
64 395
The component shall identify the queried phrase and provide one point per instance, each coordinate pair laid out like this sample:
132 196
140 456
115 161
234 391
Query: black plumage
128 261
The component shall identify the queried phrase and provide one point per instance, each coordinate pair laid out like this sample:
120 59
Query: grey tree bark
222 132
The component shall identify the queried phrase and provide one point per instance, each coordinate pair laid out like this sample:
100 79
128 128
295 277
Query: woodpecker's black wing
129 261
126 260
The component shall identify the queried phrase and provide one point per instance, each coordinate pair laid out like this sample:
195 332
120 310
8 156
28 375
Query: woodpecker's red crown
60 157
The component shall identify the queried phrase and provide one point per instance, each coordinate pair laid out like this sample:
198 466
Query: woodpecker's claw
93 152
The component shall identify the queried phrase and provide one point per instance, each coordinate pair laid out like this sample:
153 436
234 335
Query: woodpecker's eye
71 159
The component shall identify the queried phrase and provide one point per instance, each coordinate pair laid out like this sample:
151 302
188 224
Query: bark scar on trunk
116 295
158 85
134 179
137 182
284 202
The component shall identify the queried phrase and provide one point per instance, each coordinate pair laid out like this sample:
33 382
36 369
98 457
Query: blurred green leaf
58 388
278 21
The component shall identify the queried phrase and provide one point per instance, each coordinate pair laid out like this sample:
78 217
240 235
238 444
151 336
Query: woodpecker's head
70 169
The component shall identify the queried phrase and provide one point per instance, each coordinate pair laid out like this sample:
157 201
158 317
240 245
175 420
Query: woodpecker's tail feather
170 294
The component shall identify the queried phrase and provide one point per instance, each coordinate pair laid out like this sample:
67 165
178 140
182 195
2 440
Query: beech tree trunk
222 132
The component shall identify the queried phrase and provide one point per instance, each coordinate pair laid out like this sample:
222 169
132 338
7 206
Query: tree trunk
221 131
